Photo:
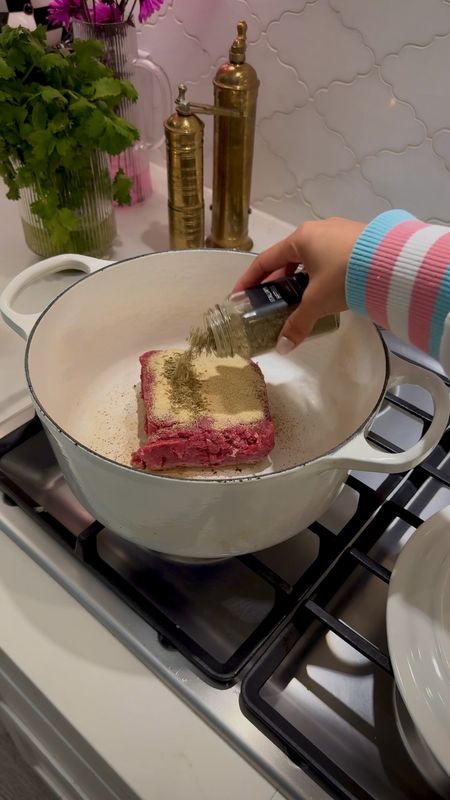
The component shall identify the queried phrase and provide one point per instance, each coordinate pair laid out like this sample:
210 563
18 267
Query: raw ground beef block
234 429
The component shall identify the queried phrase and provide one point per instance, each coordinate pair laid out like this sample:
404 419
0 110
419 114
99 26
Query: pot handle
24 323
360 454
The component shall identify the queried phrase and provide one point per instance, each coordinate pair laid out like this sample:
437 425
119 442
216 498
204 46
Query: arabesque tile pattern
354 104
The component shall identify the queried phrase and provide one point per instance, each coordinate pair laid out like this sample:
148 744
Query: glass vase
126 61
96 226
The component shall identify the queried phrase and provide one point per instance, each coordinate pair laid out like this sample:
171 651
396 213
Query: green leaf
16 58
106 87
95 124
67 219
13 193
41 209
18 114
25 176
10 115
59 122
40 35
25 129
64 147
43 144
121 187
118 135
62 224
39 116
49 94
129 90
80 106
5 70
54 61
46 206
88 48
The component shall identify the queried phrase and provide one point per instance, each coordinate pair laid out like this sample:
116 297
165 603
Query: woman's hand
324 248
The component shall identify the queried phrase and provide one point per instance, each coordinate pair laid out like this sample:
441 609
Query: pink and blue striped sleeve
399 276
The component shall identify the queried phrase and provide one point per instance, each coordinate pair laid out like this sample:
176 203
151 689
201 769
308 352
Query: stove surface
284 651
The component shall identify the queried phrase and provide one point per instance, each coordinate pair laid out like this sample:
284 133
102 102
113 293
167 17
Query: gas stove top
284 652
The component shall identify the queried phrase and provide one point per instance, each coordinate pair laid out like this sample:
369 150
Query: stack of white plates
418 627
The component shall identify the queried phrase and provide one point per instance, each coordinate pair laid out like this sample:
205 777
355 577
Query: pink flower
147 8
105 12
60 12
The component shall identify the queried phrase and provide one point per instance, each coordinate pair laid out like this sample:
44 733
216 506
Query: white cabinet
50 754
38 757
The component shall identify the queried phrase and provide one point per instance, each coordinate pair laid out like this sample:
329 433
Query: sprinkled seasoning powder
201 340
184 382
247 324
181 375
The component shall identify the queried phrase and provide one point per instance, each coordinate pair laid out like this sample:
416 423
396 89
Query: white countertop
138 726
150 738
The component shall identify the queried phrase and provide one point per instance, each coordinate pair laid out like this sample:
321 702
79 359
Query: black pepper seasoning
184 382
249 323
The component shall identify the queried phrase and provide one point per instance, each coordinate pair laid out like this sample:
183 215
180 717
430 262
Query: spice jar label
274 295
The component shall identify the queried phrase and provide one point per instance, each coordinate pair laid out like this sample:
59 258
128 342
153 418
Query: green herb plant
57 111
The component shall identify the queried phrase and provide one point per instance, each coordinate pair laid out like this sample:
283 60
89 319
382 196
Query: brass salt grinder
234 110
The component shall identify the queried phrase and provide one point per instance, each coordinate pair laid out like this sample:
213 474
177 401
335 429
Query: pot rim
153 475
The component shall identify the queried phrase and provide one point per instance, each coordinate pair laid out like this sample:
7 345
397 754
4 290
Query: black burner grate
281 600
313 617
154 602
280 596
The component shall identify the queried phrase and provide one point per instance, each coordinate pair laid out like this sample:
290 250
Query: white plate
418 627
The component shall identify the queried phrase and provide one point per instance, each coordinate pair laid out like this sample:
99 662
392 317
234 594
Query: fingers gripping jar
249 323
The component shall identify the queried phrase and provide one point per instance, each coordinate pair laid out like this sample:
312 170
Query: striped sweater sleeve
399 275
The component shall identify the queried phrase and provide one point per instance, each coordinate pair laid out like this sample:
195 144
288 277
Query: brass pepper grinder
235 87
234 109
184 149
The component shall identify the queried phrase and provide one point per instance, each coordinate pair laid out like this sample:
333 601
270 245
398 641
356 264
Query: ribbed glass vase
96 227
124 59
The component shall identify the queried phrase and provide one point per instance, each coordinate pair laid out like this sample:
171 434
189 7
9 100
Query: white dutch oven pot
82 365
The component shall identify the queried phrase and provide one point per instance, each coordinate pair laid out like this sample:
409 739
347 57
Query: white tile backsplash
320 48
354 102
416 179
421 76
313 148
441 146
347 194
369 116
388 25
286 90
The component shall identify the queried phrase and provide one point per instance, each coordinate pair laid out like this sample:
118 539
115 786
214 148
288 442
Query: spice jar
249 323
